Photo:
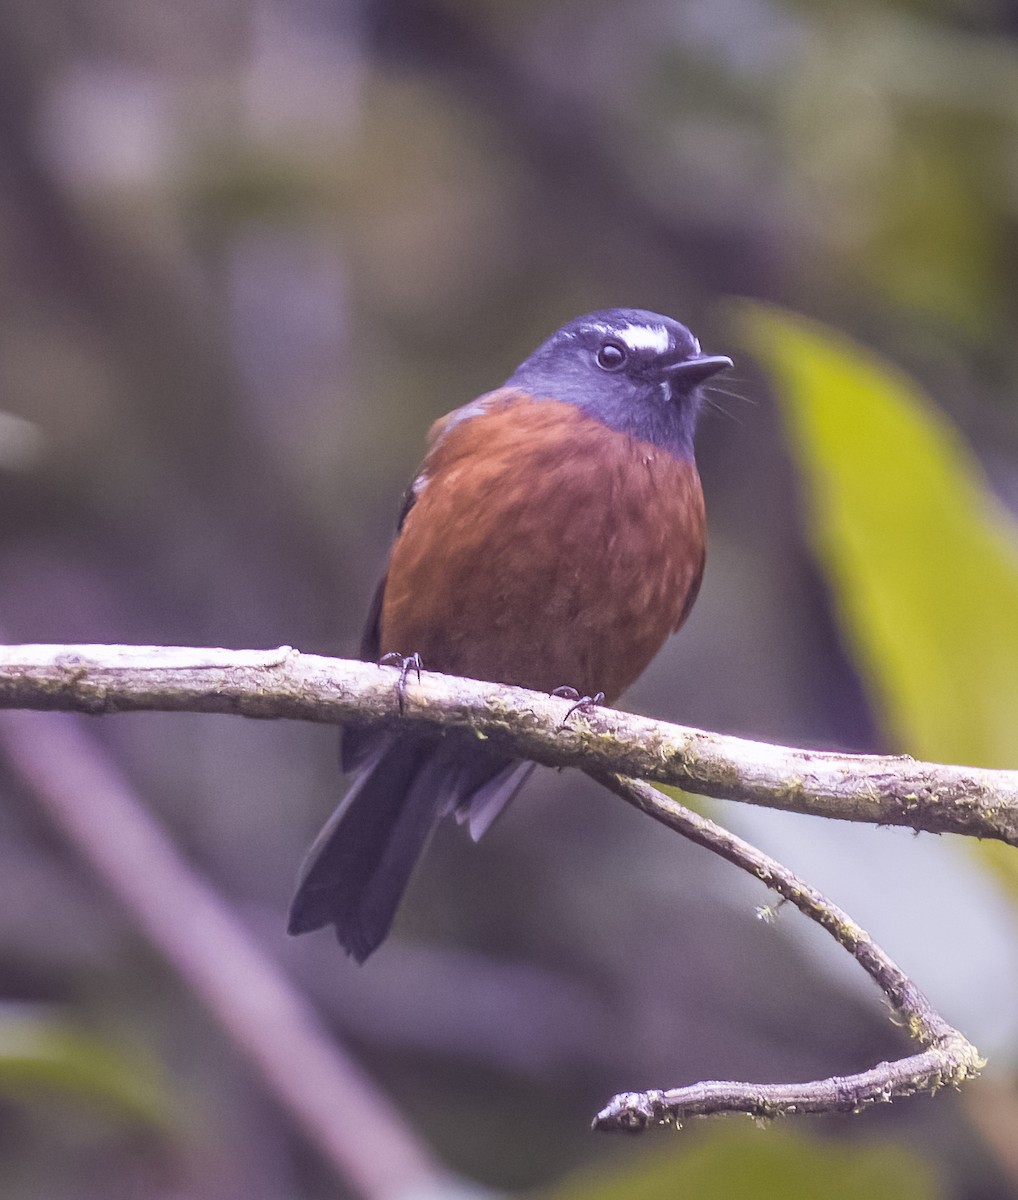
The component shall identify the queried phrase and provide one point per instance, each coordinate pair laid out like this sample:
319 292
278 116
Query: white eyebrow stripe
645 337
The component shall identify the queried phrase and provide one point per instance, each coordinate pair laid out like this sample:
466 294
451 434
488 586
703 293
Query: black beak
692 371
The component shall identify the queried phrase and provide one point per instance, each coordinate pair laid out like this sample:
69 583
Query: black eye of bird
611 356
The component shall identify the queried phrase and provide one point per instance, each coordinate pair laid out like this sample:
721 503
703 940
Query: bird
553 538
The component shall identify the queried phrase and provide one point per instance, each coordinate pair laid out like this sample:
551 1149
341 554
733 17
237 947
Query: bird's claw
584 704
406 664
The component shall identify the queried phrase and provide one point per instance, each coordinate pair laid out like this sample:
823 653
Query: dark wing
356 745
370 649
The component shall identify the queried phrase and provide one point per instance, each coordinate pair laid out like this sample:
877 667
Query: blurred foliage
775 1164
922 558
250 252
47 1052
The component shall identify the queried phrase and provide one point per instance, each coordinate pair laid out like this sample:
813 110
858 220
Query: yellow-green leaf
922 560
43 1051
760 1164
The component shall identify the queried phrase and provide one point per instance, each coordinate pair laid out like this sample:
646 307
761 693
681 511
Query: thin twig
948 1058
327 1094
878 789
283 683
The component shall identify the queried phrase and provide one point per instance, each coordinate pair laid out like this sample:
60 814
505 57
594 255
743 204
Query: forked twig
948 1058
612 747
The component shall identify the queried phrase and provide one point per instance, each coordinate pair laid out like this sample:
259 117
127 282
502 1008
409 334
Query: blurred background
249 252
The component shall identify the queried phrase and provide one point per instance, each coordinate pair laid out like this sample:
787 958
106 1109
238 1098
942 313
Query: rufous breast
544 549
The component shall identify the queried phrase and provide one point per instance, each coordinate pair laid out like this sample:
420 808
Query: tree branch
878 789
948 1059
610 746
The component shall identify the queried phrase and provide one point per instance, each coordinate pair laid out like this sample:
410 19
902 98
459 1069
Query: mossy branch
948 1058
282 683
621 751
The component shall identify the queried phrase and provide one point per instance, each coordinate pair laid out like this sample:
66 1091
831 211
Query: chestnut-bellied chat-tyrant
554 537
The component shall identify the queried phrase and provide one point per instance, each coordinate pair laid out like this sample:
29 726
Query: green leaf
754 1164
43 1051
921 558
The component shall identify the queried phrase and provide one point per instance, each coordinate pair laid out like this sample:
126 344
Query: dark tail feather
356 872
359 865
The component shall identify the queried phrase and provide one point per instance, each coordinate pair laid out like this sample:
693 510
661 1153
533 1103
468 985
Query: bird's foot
584 704
406 664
